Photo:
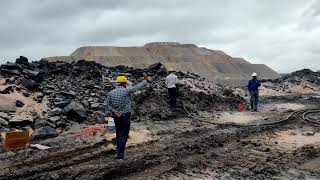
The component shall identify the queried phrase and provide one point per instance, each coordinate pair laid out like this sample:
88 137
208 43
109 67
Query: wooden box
16 139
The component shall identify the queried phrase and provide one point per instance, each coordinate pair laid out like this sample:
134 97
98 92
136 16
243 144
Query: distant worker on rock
118 106
253 88
171 81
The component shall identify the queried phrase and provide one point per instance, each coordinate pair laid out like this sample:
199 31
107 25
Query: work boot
120 156
121 159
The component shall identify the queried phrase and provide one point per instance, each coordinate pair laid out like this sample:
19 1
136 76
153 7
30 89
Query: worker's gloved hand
105 120
117 113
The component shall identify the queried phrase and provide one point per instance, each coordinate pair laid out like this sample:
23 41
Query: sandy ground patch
30 108
270 89
293 139
240 117
313 165
281 107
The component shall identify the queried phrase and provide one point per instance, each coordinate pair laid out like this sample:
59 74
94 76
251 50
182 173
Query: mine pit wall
210 64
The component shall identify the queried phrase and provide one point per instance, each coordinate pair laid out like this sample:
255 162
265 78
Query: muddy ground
206 138
223 146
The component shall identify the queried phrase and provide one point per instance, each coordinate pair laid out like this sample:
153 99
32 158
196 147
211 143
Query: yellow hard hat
170 69
121 79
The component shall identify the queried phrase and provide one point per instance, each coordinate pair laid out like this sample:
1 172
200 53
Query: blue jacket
253 85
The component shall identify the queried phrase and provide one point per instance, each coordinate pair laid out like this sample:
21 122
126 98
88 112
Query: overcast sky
284 34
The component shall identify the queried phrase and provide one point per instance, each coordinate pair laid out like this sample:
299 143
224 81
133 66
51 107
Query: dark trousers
173 97
122 132
254 99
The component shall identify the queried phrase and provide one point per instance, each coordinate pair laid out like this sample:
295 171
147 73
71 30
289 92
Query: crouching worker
171 83
118 106
253 87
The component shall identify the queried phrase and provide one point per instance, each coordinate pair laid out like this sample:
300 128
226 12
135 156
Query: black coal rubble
298 76
6 90
76 91
3 122
44 133
19 103
22 60
304 78
38 97
75 111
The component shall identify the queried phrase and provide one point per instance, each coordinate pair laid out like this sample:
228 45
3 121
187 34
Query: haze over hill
211 64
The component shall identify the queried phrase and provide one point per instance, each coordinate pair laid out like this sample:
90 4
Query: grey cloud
280 34
314 9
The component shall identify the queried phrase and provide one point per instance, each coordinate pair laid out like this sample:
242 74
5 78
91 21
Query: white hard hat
254 74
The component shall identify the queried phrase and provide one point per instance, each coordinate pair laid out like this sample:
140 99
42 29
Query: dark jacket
253 85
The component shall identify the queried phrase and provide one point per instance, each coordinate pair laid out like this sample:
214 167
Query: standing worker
118 106
253 87
171 81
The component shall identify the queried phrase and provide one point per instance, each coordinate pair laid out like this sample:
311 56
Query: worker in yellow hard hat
170 69
118 106
171 81
121 79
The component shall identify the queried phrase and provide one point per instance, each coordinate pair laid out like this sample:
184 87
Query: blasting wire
304 116
308 119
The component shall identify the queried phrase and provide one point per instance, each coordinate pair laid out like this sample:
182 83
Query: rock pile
300 76
302 82
75 92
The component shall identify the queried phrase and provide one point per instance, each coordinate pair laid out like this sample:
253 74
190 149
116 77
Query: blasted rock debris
297 77
75 92
299 82
64 105
44 133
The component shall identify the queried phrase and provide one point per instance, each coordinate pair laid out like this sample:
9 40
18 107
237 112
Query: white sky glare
281 34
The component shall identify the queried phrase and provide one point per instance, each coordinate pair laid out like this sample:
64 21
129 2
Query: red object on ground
241 107
90 130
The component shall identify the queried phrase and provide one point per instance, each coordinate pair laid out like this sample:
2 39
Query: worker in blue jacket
253 88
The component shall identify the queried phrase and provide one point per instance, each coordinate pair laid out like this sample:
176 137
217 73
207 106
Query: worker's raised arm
139 86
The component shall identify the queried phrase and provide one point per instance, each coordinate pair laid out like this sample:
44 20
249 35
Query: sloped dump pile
215 65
